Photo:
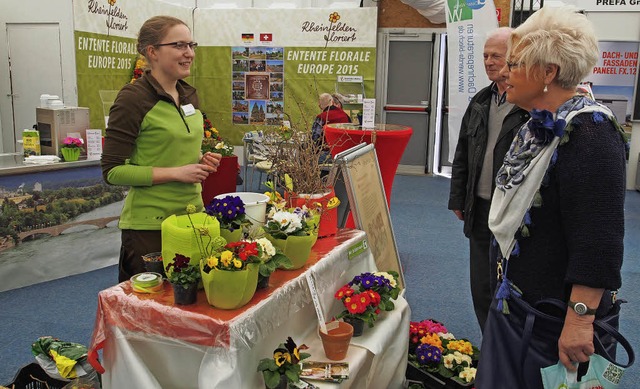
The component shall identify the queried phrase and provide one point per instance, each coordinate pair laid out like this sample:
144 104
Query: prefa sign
609 5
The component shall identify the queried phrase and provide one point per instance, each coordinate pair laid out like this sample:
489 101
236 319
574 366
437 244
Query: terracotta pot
357 324
185 296
222 181
336 341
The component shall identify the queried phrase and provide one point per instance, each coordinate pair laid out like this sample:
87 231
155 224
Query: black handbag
517 345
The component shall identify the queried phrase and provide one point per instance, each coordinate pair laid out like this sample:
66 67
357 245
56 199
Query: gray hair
338 99
325 100
559 36
501 33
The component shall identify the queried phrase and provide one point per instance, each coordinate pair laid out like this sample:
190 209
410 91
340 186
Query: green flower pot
178 236
296 248
226 289
231 236
70 154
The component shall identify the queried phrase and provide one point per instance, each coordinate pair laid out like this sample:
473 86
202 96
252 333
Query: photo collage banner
253 67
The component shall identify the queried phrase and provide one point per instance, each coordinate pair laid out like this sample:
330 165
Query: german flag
247 38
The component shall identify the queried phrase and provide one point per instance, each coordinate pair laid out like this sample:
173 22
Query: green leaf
443 371
264 364
271 378
292 376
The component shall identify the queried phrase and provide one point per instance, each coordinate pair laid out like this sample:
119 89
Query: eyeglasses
512 65
180 45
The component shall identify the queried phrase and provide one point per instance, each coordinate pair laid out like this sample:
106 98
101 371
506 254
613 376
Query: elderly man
488 127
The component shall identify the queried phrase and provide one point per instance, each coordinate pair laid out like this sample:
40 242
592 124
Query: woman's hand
576 340
211 159
189 174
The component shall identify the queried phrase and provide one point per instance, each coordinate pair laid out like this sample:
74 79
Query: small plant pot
296 248
70 154
263 282
357 324
231 236
226 289
336 341
153 263
283 384
185 296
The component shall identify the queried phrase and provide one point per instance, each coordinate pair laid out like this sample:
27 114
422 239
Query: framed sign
368 204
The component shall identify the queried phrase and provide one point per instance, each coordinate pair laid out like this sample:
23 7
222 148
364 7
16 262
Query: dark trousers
479 263
135 244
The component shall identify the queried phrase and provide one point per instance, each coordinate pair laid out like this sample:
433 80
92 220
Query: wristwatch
581 308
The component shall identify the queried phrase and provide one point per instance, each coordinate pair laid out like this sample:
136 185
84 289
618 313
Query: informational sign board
636 96
368 203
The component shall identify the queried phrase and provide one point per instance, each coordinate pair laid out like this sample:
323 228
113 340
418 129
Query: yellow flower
334 17
212 261
191 208
112 2
433 340
226 257
237 263
461 345
281 357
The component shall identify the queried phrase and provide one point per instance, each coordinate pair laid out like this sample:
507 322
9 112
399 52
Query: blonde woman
557 212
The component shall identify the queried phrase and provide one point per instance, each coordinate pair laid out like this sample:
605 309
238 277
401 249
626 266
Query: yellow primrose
237 263
212 261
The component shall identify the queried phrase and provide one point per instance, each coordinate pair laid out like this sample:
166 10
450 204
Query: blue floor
434 255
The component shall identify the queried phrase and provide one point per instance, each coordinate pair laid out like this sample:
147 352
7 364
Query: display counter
13 163
148 342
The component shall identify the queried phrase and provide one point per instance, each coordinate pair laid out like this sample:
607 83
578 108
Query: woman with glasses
153 141
557 213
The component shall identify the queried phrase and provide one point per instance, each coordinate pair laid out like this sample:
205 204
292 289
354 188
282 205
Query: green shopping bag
601 374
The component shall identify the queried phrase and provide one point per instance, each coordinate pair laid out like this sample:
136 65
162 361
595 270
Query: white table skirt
136 358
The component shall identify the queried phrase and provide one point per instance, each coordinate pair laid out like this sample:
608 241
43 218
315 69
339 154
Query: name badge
188 110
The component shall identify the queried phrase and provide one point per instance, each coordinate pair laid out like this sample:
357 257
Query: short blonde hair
560 36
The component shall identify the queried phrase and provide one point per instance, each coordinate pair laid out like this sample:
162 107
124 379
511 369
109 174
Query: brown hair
153 30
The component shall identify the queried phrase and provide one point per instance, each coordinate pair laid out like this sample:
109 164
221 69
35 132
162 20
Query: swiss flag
266 37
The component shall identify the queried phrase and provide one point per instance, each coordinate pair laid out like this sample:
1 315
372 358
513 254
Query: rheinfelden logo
334 32
116 18
459 10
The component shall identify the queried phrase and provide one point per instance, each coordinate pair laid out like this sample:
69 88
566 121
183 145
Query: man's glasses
512 65
180 45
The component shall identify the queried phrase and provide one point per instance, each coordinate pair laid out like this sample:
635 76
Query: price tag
368 113
94 144
316 302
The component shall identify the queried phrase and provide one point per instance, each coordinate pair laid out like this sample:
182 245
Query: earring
545 90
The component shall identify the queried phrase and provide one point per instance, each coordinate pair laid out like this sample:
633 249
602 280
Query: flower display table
149 342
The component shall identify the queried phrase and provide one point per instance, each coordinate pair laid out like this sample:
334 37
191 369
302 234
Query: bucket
329 214
255 205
